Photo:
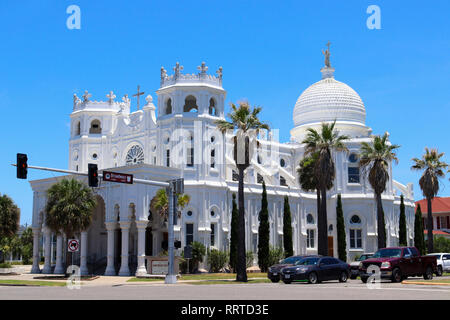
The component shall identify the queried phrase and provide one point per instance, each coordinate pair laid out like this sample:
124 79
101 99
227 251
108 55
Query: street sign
117 177
73 245
187 252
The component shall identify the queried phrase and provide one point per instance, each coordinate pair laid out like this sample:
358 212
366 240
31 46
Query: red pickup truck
398 263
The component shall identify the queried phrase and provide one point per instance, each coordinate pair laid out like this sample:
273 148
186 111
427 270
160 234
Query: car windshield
364 257
307 262
388 253
290 260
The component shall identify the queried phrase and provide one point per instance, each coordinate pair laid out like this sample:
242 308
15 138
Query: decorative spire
111 96
203 68
327 70
177 69
86 96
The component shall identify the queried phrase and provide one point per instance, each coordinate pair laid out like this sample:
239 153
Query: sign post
73 245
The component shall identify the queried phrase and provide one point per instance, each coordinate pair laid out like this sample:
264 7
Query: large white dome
328 100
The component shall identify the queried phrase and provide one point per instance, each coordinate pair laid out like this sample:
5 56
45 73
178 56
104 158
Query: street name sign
117 177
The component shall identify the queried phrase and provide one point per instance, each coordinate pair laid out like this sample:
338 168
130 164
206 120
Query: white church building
178 138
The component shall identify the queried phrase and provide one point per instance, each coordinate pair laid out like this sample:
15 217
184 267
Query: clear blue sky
270 52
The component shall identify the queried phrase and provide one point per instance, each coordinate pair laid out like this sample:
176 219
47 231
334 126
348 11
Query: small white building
178 138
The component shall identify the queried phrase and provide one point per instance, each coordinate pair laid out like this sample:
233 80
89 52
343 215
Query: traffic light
177 244
92 175
22 166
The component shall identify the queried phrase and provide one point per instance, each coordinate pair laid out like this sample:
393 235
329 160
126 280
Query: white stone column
83 254
124 269
59 268
110 269
141 226
47 251
36 256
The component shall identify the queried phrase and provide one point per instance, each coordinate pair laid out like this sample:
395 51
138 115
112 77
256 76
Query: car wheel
428 275
343 277
274 280
287 281
364 279
312 278
396 275
439 271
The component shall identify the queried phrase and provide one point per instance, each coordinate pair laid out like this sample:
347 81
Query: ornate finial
76 100
111 96
220 74
86 96
138 94
203 68
149 99
326 53
163 73
126 100
177 70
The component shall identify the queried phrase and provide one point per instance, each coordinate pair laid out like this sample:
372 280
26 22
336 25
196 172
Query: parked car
443 262
354 266
316 269
274 271
398 263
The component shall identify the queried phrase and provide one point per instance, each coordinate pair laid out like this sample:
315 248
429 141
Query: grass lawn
32 283
207 276
220 276
250 281
143 279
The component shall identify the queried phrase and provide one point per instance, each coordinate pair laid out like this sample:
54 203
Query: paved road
354 289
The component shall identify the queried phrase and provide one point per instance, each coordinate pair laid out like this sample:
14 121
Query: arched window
190 150
282 163
353 168
169 106
95 127
212 107
134 156
190 104
78 129
213 158
309 219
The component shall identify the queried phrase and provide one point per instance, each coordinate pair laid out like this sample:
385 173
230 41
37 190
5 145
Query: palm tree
248 126
161 203
375 158
324 171
69 207
9 217
306 177
429 183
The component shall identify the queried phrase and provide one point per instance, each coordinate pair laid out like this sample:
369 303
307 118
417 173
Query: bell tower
188 106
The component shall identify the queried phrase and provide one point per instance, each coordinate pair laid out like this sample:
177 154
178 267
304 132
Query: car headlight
301 270
386 264
360 265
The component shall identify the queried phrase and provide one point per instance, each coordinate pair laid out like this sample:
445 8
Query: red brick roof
435 232
438 205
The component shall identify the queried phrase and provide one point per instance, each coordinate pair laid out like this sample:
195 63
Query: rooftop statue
326 53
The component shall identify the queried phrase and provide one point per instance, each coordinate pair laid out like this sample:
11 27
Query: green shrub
441 244
275 255
217 260
5 265
249 258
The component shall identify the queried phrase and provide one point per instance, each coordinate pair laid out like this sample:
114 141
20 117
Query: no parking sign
73 245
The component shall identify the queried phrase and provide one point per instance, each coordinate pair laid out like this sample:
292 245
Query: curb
426 283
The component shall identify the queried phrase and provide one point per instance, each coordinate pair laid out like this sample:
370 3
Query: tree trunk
322 226
241 267
380 223
318 201
430 246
